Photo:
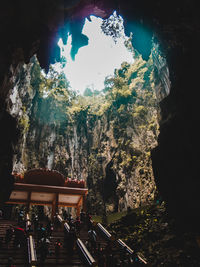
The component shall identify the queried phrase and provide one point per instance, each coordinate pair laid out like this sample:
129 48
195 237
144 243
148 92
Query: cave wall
27 27
111 152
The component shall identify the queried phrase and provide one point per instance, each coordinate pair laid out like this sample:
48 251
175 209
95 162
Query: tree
113 26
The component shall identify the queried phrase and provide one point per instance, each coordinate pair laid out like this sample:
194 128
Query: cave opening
78 131
28 29
107 47
109 189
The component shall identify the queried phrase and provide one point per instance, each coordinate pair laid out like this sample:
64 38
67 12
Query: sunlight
95 61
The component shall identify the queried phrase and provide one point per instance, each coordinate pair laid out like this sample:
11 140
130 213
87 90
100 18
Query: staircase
64 260
113 252
19 255
105 241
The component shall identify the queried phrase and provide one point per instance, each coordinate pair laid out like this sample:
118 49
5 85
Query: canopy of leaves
128 96
113 26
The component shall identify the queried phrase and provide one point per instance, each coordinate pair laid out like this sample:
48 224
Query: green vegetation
113 26
129 94
154 234
111 218
117 126
115 216
97 219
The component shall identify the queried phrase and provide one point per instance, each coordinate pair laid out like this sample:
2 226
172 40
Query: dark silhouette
88 221
41 232
43 250
10 262
71 241
35 222
65 215
78 225
92 238
82 217
20 237
9 235
49 228
58 246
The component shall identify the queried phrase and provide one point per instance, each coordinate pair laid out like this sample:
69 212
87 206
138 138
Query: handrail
86 254
141 258
32 257
31 251
88 257
104 231
28 223
59 218
67 227
27 217
65 224
121 243
130 251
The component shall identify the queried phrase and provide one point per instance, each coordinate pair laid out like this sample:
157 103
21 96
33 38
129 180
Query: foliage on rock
151 231
103 137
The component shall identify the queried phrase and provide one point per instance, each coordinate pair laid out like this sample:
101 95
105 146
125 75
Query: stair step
18 254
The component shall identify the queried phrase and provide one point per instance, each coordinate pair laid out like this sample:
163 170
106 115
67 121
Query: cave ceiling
34 27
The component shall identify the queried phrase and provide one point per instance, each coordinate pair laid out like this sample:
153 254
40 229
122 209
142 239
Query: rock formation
29 28
106 141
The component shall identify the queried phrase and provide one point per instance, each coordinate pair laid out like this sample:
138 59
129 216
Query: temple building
50 188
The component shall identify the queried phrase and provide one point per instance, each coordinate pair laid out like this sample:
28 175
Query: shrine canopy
48 187
44 177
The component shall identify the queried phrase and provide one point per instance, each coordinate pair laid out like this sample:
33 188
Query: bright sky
96 60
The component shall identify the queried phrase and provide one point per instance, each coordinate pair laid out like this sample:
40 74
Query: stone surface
111 152
28 27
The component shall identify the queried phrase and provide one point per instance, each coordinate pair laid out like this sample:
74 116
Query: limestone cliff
104 139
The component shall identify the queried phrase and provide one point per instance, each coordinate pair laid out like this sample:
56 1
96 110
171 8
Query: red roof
48 177
44 177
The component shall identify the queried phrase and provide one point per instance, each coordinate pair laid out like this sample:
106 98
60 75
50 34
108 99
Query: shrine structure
48 187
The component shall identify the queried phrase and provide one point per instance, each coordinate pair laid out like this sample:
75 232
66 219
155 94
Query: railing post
31 252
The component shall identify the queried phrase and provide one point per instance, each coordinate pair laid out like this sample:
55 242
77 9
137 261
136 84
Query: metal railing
90 261
32 257
59 218
66 227
28 223
87 256
123 245
104 232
